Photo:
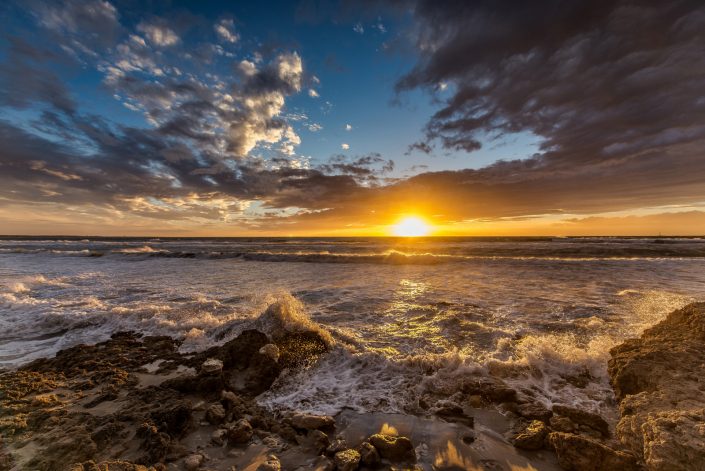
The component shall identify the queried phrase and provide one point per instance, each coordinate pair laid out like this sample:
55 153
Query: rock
394 449
347 460
193 462
218 436
229 397
452 412
240 432
562 424
215 414
576 453
212 366
368 454
532 437
582 417
271 351
490 388
271 464
533 411
658 380
314 440
312 422
475 401
335 446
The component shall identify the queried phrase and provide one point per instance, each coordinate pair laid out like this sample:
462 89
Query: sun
411 226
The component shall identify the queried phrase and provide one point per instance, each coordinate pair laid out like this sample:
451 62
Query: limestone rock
312 422
211 366
271 351
576 453
215 414
193 462
659 381
394 449
582 417
368 454
271 464
347 460
532 437
240 432
533 411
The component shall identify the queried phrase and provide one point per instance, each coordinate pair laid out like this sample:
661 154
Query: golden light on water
411 226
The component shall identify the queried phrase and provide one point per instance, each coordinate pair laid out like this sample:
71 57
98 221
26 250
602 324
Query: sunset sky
343 118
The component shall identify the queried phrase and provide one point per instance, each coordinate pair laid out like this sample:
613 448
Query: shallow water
406 316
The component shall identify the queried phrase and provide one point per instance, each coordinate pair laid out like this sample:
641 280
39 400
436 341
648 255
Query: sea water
404 317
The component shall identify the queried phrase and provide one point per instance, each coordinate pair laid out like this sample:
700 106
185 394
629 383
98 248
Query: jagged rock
490 388
271 464
218 436
532 437
193 462
212 366
116 465
240 432
335 446
271 351
576 453
452 412
562 424
215 414
582 417
155 444
368 454
315 440
229 397
394 449
533 411
347 460
658 380
312 422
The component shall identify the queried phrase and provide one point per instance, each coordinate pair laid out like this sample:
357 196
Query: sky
341 118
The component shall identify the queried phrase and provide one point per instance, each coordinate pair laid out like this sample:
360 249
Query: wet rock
394 449
490 388
155 444
533 411
452 412
468 438
240 432
312 422
347 460
314 440
335 446
658 380
117 465
368 454
271 351
475 401
171 414
562 424
271 464
576 453
218 436
193 462
215 414
211 366
532 437
582 417
229 397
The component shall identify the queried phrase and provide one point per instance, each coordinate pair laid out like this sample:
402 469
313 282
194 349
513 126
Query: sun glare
411 226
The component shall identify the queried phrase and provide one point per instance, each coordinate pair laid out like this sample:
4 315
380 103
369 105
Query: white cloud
358 28
315 80
345 146
313 93
348 127
226 31
158 35
314 127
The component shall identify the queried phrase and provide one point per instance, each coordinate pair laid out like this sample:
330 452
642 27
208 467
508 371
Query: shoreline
137 400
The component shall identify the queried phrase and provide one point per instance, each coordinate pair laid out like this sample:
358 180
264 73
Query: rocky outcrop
659 380
138 399
578 453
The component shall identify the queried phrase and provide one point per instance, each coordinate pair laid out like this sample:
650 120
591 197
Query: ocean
407 317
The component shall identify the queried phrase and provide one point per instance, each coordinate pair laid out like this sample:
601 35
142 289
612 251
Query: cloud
314 127
313 93
348 127
225 29
159 34
358 28
345 146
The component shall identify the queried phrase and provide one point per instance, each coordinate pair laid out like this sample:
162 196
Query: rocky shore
136 403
